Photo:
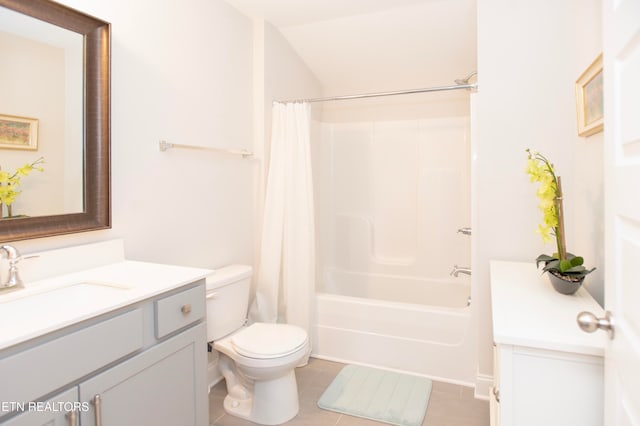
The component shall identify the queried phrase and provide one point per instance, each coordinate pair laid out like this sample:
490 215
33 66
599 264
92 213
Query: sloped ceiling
356 46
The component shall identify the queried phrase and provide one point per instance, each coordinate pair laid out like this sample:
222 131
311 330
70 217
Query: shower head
466 79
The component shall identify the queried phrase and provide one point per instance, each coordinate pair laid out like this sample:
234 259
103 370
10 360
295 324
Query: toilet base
273 401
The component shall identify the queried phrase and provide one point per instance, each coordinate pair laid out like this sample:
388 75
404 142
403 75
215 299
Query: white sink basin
39 301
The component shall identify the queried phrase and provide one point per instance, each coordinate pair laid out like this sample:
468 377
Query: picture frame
18 132
590 99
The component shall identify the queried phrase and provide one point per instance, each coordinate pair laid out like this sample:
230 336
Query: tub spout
460 270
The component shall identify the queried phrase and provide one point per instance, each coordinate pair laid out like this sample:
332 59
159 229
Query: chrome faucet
460 270
13 280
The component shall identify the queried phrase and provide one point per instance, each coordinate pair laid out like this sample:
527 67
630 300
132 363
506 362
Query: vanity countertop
55 302
527 311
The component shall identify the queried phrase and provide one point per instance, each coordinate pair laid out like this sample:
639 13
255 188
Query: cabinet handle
97 403
496 393
72 416
186 309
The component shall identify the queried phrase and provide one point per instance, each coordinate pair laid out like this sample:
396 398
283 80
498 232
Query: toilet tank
227 300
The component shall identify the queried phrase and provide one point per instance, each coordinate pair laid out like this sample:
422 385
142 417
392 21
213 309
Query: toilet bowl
258 360
261 381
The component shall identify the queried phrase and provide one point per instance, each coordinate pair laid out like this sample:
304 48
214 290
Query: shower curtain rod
380 94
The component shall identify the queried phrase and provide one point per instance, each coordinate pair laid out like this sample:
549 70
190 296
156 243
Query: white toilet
257 361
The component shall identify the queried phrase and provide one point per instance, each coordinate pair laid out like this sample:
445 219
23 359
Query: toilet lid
266 340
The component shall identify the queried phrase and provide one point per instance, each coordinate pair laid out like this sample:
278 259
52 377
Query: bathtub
405 324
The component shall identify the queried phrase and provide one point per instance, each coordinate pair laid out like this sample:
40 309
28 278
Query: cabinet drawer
179 310
53 364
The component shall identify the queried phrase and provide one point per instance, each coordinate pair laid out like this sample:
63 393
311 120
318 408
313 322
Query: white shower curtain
286 277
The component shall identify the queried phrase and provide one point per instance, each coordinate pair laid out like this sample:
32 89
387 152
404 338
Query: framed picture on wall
18 132
590 100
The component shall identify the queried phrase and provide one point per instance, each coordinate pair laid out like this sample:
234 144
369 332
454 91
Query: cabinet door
53 412
165 385
553 388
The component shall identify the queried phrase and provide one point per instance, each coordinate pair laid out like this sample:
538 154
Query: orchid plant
568 265
9 183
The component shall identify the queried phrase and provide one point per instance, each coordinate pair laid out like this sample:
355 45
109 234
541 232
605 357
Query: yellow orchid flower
9 183
541 170
545 232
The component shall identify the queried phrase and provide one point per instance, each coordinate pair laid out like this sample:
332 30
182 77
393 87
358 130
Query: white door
621 44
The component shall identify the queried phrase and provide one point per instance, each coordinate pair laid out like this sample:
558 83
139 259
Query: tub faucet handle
465 231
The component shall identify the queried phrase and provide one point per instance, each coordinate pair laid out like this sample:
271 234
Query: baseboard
484 382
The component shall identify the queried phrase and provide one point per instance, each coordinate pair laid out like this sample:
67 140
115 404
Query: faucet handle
13 255
465 231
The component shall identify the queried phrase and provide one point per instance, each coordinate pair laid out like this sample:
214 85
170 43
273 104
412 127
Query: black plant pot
563 284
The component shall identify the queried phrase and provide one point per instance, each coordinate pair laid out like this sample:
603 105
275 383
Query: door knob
590 323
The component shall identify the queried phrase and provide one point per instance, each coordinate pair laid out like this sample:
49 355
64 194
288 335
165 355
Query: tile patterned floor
449 405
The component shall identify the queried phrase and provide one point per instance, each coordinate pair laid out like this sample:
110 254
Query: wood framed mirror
95 205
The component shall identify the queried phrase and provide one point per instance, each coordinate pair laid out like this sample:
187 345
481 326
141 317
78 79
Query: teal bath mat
384 396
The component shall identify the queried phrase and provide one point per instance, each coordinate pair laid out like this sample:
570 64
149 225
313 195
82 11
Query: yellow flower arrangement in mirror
10 182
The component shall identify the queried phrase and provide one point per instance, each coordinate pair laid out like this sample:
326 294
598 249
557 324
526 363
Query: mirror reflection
41 118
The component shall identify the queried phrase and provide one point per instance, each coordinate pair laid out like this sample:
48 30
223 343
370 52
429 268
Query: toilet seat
267 340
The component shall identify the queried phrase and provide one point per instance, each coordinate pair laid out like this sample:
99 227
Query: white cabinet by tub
143 363
546 370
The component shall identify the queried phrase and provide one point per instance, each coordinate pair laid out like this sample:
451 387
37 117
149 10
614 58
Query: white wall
424 44
529 56
587 230
181 71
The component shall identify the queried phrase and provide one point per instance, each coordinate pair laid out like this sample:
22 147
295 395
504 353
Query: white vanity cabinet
161 386
144 363
546 370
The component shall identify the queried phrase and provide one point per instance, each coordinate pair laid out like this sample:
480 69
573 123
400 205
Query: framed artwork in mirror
18 132
590 100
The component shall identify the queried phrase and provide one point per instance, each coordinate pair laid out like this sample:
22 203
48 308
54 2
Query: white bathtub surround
392 195
446 292
285 286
